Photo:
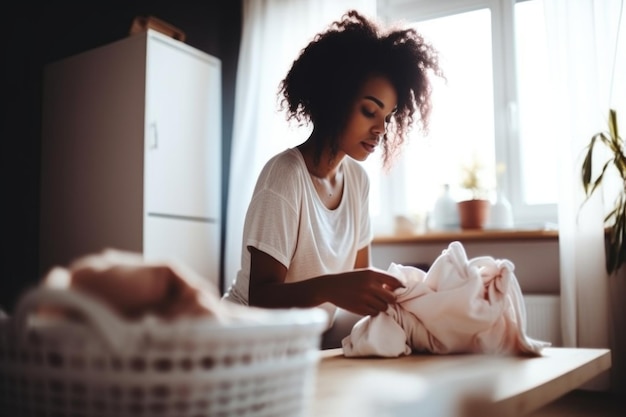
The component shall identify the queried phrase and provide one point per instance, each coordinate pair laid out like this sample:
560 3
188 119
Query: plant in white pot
613 163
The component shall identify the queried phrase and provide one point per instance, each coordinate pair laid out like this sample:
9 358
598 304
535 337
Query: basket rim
197 331
266 318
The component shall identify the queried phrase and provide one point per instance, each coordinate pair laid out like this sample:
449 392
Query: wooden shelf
469 236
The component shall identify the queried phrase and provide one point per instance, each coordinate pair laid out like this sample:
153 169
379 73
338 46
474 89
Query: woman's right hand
365 291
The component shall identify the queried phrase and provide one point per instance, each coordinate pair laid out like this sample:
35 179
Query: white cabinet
131 153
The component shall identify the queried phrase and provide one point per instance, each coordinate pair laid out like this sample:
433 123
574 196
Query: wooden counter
451 385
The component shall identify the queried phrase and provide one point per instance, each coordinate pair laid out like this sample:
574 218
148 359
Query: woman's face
368 119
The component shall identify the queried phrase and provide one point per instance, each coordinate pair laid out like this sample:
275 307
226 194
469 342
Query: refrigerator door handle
153 136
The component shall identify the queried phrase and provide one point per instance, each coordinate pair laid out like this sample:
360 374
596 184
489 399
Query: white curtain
274 32
588 76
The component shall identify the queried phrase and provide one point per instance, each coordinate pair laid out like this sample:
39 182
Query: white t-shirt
287 220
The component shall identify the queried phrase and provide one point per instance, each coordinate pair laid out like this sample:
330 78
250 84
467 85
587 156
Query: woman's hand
363 291
134 287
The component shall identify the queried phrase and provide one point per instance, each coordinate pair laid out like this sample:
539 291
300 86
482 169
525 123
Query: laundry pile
460 305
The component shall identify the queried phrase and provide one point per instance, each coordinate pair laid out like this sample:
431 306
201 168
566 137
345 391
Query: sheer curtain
274 32
582 37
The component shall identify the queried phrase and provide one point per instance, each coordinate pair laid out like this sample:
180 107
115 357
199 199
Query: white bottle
501 214
445 213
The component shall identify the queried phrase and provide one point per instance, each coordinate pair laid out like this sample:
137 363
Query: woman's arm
364 291
363 258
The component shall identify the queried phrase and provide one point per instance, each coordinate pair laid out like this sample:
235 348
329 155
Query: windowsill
469 236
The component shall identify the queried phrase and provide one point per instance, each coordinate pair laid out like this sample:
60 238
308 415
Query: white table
443 384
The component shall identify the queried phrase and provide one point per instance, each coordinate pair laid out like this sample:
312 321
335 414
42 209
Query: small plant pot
473 214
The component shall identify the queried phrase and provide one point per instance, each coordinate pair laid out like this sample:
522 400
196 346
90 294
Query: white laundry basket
102 366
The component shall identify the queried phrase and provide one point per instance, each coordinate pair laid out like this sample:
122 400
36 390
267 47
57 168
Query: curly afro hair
324 80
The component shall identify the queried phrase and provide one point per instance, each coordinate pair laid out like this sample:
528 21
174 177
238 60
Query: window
536 149
492 109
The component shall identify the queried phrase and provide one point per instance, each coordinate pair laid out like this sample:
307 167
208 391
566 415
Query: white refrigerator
131 154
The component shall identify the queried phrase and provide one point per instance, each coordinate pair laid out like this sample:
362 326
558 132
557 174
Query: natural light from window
461 126
493 108
537 143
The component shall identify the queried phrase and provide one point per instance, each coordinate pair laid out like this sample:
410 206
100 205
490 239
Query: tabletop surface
451 385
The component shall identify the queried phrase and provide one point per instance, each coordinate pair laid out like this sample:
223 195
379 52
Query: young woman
307 231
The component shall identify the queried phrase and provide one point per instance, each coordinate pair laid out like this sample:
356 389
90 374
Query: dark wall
34 35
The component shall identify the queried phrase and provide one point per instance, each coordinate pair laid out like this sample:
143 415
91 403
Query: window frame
507 138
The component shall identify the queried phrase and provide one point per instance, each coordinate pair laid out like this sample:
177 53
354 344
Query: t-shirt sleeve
271 226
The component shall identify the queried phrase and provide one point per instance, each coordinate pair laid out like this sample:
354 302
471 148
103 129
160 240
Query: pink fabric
460 305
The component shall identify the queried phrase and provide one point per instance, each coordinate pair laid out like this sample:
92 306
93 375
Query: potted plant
614 160
474 211
614 163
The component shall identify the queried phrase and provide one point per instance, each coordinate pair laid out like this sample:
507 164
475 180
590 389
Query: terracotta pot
474 214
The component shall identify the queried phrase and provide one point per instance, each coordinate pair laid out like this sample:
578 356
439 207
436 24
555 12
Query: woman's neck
326 175
327 164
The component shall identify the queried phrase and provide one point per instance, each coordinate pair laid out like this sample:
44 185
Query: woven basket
103 366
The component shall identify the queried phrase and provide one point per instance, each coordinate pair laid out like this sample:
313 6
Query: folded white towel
460 305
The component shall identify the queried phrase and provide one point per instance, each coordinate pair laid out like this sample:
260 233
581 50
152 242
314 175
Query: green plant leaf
616 255
586 173
615 220
613 123
599 178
